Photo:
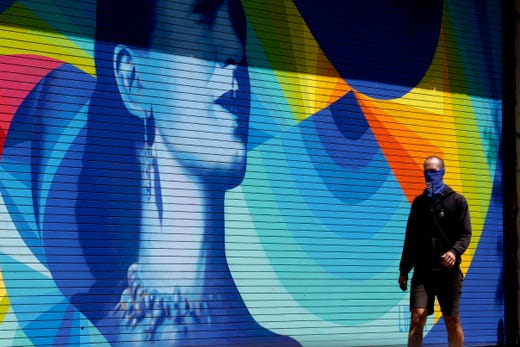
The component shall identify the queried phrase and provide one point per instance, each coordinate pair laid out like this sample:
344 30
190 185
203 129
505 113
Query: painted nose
230 50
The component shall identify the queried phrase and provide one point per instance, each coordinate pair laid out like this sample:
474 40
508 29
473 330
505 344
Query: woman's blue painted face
196 84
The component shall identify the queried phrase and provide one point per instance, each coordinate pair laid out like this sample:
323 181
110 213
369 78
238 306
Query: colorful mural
239 173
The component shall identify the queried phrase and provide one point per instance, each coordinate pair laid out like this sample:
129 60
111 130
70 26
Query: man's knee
419 316
452 322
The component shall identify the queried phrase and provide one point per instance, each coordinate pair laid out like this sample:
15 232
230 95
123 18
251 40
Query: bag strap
437 226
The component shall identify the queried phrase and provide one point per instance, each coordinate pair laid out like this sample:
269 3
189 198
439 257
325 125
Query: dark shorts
445 285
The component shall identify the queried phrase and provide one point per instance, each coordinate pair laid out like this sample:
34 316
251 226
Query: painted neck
182 234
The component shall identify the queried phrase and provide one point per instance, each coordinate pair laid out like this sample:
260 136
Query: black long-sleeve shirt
424 243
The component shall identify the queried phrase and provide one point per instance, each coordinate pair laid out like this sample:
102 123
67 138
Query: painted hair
108 207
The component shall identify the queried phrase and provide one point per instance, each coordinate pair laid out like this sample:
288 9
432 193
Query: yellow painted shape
4 300
22 32
306 77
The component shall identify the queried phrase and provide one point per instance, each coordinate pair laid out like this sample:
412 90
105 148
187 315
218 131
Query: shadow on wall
500 333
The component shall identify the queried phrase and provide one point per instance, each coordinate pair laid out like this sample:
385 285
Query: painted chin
235 161
227 174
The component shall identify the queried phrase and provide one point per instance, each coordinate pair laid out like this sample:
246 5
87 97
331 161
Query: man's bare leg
418 320
455 333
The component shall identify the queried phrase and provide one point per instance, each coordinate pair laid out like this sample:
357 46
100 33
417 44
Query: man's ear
128 79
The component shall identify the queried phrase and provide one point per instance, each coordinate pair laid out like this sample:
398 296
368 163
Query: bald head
433 163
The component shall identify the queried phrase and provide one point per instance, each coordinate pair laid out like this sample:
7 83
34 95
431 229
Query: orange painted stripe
403 148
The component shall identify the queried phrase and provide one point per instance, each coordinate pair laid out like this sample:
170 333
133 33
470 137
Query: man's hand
448 259
403 282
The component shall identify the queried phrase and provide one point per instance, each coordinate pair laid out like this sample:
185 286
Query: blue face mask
434 183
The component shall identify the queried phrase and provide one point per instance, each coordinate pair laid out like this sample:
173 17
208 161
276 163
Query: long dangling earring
149 152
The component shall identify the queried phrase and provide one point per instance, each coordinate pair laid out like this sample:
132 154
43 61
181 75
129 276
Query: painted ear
128 80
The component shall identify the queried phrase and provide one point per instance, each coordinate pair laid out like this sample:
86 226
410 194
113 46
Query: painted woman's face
198 88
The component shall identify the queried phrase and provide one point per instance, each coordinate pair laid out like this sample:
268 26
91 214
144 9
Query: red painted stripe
19 74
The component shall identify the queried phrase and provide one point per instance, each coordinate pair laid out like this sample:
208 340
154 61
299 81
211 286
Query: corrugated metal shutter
240 175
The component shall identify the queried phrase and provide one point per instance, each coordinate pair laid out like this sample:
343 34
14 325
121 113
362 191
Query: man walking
437 234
